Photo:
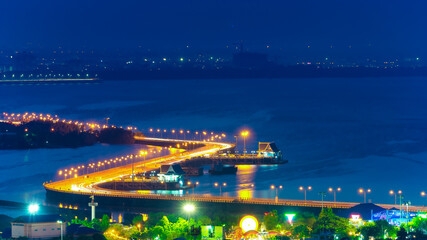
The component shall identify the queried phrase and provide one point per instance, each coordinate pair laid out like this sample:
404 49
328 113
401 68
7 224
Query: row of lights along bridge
333 191
187 134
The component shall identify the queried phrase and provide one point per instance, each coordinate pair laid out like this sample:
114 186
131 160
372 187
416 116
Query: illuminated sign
248 223
290 217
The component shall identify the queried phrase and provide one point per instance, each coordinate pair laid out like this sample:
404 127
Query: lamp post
335 192
276 199
305 191
395 195
143 153
423 194
361 190
189 208
196 183
244 135
62 231
407 203
322 195
220 185
400 204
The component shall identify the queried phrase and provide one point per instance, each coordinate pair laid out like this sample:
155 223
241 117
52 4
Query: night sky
382 27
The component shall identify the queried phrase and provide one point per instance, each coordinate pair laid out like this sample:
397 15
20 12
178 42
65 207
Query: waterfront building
269 150
172 173
38 226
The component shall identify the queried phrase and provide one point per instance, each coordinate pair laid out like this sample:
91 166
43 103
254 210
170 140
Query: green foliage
102 225
329 223
370 229
137 220
379 229
301 231
305 218
418 223
271 220
82 222
166 229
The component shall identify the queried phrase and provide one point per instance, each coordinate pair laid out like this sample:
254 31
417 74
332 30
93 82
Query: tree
102 225
301 231
370 229
271 220
329 223
401 234
137 220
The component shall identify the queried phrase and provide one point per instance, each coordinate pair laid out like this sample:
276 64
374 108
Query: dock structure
267 154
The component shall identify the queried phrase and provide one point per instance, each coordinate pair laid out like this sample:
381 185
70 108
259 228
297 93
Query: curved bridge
87 185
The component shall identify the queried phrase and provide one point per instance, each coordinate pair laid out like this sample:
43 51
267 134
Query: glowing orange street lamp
220 185
305 191
363 191
276 199
335 192
395 195
244 135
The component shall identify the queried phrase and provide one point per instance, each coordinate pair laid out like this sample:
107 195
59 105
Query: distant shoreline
47 80
273 72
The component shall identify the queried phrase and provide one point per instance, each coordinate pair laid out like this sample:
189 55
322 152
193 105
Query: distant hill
4 222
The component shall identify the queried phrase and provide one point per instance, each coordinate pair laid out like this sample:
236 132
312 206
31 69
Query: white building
38 227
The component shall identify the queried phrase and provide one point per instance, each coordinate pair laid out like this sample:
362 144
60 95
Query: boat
220 169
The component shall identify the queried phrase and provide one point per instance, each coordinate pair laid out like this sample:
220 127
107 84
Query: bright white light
33 208
189 208
248 223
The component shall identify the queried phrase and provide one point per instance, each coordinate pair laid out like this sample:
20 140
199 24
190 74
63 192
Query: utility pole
400 203
93 204
322 194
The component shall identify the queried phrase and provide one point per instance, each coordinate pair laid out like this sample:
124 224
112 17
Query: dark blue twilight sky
385 27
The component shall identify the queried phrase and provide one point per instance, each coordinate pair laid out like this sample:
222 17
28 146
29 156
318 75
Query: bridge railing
217 199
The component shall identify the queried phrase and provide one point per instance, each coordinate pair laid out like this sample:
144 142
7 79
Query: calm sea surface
348 133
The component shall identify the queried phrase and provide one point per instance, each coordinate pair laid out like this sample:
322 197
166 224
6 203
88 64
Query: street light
395 195
334 191
189 208
305 191
62 231
407 203
244 134
220 185
361 190
33 208
276 199
423 194
189 183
